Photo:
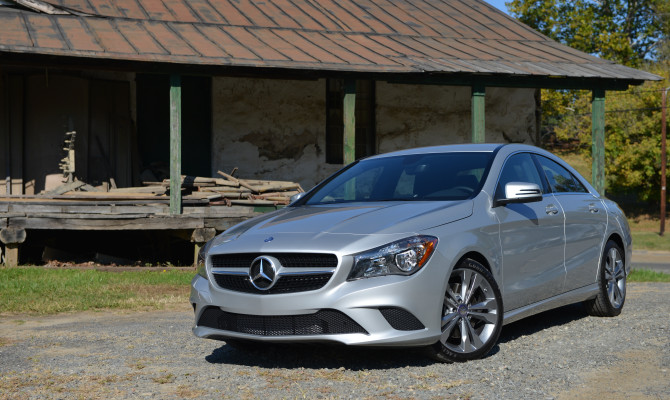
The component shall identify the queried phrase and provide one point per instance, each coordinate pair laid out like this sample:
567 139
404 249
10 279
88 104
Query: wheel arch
479 257
616 238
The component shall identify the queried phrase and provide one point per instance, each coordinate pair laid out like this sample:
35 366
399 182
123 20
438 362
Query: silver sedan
436 247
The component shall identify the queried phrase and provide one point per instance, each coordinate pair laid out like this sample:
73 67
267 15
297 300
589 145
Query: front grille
287 260
400 319
323 322
285 283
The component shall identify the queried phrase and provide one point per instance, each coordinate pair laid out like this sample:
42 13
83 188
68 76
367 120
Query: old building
287 90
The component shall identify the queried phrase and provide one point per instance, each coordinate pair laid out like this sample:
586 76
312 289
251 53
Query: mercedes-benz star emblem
263 273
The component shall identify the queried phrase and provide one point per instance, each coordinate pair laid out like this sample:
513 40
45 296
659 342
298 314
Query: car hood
338 226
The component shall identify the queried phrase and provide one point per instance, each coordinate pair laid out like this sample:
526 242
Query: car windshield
414 177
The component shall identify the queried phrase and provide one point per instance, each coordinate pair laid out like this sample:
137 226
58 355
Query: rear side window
560 179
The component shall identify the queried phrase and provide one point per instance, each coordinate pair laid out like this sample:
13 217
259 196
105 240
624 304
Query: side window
518 168
560 179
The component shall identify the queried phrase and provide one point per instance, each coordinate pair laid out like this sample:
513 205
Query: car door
585 224
531 237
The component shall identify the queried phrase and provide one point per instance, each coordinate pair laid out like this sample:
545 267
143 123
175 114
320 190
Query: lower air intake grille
323 322
400 319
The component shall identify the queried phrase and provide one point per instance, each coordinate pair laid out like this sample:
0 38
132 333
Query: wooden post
478 114
598 140
199 237
349 116
175 144
664 157
12 238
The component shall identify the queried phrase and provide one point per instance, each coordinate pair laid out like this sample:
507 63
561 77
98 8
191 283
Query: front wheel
611 284
471 315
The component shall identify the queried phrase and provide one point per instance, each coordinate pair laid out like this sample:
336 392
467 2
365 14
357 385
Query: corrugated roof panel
347 14
394 45
76 33
506 22
355 48
374 46
156 10
433 18
490 47
450 7
423 49
130 9
471 52
328 44
44 33
198 40
253 13
317 11
105 7
108 36
78 5
169 40
528 48
307 46
278 16
138 36
227 43
301 18
401 11
492 23
206 12
12 30
513 51
181 11
282 46
229 12
393 23
252 42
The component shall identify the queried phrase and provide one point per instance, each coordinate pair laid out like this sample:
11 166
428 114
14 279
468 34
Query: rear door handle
593 209
552 210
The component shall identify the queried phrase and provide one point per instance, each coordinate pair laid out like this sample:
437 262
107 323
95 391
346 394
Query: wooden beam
175 144
598 140
349 116
478 114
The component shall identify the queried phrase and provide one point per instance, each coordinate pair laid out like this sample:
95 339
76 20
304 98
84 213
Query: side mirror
297 197
520 192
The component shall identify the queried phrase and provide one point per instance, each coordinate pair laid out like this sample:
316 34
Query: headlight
403 257
202 256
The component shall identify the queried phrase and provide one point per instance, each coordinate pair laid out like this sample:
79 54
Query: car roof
453 148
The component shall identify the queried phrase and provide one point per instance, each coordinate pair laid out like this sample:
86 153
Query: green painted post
175 144
478 114
598 140
349 116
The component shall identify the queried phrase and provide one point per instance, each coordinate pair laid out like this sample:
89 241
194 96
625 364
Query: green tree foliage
635 33
625 31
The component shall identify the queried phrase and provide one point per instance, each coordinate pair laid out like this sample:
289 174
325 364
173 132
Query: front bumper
366 302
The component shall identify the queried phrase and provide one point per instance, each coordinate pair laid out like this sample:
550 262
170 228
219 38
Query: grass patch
644 275
645 230
36 290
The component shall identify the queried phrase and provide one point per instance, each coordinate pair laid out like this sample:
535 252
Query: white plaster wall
275 129
422 115
270 129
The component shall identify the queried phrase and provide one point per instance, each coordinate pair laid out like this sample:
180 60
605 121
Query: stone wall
275 129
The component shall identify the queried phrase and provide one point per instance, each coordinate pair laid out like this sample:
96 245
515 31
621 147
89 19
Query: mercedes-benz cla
436 247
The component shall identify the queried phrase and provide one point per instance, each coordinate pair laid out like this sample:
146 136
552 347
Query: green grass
645 230
36 290
643 275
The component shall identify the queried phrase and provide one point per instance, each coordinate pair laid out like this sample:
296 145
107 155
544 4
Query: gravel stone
559 354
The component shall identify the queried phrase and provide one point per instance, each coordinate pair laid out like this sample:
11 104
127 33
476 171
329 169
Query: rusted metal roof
376 36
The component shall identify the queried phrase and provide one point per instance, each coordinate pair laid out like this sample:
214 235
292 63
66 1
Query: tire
472 304
611 284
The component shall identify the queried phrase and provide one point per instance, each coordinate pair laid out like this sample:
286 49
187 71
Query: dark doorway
153 124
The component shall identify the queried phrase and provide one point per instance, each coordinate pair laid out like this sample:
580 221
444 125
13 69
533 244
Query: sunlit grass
643 275
37 290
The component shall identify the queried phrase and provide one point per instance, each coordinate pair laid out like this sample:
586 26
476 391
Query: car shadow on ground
332 356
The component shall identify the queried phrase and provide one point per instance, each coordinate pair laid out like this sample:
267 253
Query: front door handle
552 210
593 209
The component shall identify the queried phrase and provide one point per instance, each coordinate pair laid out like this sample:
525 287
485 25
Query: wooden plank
222 224
478 114
175 144
27 209
165 222
598 139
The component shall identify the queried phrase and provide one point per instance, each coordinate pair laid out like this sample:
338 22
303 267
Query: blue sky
500 4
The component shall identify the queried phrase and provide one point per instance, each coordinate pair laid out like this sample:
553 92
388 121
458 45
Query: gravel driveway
561 354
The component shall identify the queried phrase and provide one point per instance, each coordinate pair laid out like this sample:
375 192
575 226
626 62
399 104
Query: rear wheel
471 314
611 282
